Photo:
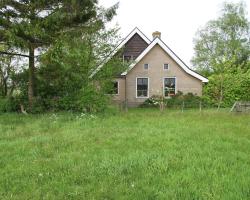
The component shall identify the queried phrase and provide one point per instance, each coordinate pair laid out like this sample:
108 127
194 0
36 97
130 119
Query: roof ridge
120 45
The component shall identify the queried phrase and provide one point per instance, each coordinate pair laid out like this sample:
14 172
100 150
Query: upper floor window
169 86
146 66
141 87
127 58
166 66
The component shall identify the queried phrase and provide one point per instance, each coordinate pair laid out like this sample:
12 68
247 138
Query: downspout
126 100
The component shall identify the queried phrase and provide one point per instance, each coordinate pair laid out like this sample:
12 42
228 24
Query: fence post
200 106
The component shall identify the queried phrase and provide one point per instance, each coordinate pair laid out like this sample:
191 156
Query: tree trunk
31 86
5 87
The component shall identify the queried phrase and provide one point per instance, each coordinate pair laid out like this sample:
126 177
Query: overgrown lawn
142 154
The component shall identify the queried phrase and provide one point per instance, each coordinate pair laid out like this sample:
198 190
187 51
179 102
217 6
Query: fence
180 105
240 106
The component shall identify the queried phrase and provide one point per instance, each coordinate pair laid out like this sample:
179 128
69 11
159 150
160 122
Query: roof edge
122 43
173 55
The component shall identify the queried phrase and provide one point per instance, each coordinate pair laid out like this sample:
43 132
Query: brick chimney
156 34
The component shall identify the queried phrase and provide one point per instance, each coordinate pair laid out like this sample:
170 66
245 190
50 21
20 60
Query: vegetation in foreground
142 154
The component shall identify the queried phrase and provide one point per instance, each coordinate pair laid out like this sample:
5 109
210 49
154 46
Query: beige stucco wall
156 58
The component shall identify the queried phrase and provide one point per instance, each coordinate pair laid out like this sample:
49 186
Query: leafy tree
7 70
64 78
224 39
223 47
30 24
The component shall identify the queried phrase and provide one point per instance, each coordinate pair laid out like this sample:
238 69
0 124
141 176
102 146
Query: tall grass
142 154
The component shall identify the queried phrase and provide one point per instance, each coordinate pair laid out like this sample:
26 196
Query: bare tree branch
16 54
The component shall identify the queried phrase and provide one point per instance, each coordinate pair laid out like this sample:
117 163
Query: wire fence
180 105
238 106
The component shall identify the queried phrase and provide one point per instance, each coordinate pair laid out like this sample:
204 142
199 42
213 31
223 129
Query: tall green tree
64 78
223 47
30 24
223 40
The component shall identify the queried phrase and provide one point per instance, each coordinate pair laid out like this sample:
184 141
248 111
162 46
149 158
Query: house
155 70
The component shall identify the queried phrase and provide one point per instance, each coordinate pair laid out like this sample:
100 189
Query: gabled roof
130 35
171 54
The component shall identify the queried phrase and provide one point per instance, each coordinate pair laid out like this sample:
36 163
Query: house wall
156 58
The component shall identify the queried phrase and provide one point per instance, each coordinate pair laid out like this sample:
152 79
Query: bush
236 87
8 104
151 102
190 100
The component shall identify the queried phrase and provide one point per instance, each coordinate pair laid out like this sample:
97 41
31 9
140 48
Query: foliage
64 79
222 52
236 87
190 100
28 25
8 104
7 69
142 154
224 44
153 101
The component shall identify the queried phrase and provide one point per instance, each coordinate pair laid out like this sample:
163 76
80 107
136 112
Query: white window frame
144 66
164 66
163 85
136 89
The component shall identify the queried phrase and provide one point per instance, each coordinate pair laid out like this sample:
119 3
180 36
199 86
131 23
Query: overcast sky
177 20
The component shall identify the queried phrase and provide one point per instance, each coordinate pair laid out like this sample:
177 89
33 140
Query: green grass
142 154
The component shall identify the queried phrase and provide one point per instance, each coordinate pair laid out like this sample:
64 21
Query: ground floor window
142 87
114 88
169 86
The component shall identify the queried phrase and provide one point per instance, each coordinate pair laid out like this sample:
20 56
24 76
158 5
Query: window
146 66
114 88
166 66
169 86
127 58
142 87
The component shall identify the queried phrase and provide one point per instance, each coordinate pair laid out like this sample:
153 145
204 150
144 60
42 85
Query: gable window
169 86
142 87
114 88
166 66
127 58
146 66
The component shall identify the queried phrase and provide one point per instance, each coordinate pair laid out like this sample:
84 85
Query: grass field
142 154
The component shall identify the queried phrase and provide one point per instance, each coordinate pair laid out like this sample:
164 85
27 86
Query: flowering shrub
153 101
